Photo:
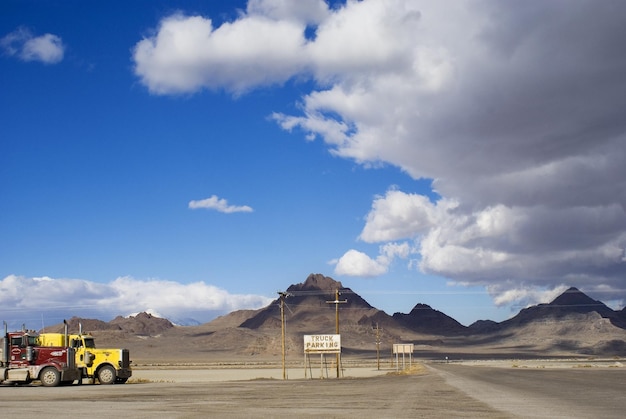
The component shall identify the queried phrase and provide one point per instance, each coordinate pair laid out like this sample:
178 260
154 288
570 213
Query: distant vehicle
108 366
23 360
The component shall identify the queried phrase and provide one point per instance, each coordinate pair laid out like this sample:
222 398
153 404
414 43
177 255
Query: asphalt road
539 392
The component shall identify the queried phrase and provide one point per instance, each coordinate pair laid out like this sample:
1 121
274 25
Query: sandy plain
576 388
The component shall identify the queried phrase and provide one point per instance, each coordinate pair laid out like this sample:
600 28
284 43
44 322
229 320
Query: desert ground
575 388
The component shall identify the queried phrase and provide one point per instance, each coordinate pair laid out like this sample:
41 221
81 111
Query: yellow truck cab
109 366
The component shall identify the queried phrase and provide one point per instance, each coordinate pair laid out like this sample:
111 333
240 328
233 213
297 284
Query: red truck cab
23 361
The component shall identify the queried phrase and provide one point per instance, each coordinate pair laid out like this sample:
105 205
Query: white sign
327 344
402 348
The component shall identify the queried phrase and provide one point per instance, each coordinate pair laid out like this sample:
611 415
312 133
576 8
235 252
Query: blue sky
193 158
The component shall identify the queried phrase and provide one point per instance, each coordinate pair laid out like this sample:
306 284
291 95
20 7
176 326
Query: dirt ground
433 390
381 396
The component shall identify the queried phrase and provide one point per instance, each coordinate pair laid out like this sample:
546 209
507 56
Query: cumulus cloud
188 54
399 215
32 300
514 111
218 204
355 263
47 48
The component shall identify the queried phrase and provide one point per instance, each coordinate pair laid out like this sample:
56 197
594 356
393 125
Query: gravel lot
433 391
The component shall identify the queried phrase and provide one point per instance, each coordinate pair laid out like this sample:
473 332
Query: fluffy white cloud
188 54
219 204
515 111
355 263
32 300
47 48
399 215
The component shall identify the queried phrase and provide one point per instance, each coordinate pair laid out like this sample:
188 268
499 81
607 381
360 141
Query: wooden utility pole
282 328
377 347
336 303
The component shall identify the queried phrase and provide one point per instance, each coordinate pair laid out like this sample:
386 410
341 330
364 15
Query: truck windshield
90 343
24 340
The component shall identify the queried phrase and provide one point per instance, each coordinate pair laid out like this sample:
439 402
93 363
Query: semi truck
23 360
108 366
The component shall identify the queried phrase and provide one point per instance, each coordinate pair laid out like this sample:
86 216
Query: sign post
403 348
321 344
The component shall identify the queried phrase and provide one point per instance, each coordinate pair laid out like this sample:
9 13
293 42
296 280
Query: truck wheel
50 377
106 375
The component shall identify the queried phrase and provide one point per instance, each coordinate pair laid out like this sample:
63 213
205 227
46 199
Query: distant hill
573 324
75 323
424 319
309 307
143 324
570 302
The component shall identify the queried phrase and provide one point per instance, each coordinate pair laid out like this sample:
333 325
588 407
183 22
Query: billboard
322 344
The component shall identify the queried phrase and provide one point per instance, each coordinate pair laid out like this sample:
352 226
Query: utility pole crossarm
336 303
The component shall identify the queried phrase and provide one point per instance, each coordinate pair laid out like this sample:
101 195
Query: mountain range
573 324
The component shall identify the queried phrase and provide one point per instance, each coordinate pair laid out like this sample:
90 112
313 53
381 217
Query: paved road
538 392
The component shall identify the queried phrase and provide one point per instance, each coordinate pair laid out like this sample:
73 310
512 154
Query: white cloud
188 53
219 204
47 48
355 263
28 300
515 111
399 215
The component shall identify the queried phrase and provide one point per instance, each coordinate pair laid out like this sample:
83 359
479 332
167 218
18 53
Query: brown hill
570 302
424 319
573 334
88 325
571 325
143 324
310 307
233 319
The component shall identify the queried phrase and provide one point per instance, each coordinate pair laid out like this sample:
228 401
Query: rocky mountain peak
571 302
425 319
142 324
576 298
309 305
418 307
317 282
